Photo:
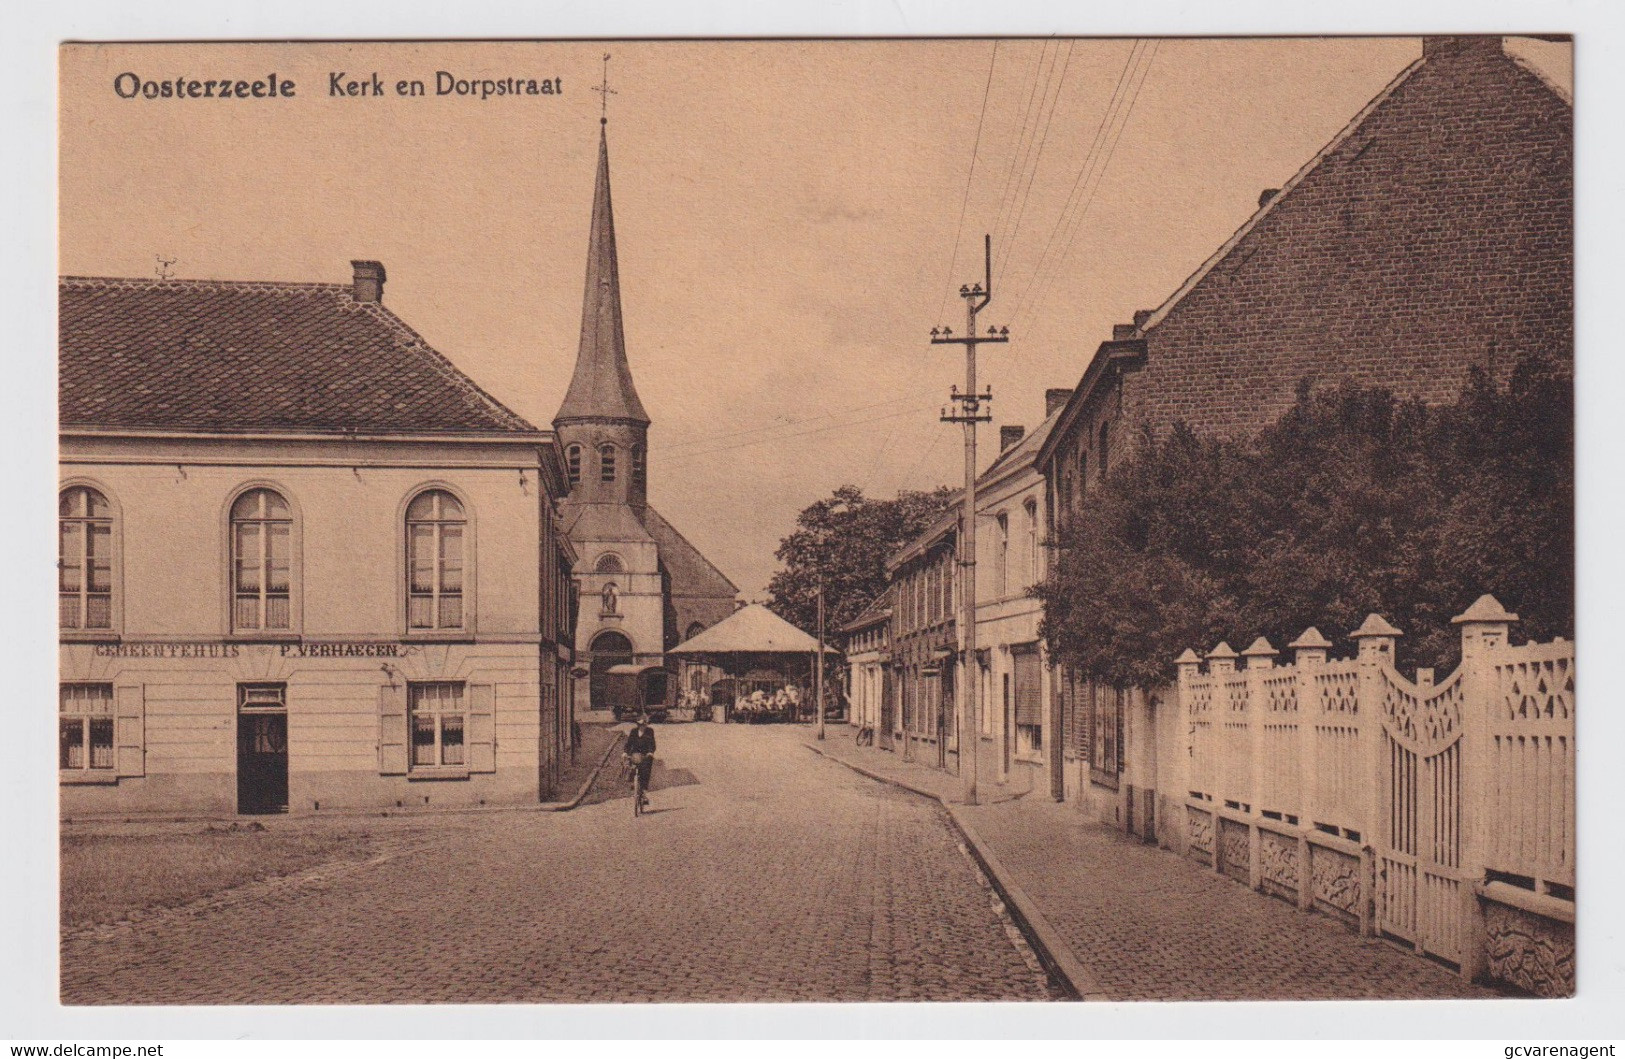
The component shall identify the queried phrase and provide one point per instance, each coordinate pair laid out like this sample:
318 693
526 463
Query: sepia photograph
1019 519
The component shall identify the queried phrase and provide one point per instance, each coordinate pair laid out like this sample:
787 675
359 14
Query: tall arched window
606 463
1002 572
572 461
1032 541
84 559
609 563
261 562
435 526
640 466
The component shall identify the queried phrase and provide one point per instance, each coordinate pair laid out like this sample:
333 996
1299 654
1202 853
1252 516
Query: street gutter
1056 956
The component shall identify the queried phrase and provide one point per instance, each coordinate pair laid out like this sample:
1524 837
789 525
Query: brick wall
1436 237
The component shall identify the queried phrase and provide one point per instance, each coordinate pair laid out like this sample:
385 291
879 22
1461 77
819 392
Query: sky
792 219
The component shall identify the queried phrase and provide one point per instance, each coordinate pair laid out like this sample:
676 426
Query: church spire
602 385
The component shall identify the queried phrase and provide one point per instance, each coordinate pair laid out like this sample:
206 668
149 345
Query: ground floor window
1106 734
85 727
1029 702
439 719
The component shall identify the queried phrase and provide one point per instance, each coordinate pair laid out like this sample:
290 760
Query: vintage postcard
1008 519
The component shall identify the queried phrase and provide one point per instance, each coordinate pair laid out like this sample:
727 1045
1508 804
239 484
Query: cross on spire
604 92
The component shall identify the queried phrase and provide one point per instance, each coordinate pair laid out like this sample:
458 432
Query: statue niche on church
611 598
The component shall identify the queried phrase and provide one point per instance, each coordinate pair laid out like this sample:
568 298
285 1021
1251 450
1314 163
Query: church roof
750 630
216 355
602 384
605 523
691 573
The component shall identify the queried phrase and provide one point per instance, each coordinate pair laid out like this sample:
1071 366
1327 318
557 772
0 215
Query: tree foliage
845 539
1354 502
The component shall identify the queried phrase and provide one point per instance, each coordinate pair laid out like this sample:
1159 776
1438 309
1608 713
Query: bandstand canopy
750 630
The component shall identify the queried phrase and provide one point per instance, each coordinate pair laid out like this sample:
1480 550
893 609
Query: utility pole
968 411
818 673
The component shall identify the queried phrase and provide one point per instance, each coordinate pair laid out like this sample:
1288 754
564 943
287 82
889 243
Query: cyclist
640 749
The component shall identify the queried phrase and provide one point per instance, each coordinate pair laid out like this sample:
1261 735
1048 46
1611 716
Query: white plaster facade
345 664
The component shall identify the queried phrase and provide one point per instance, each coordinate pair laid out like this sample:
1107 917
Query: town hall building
643 587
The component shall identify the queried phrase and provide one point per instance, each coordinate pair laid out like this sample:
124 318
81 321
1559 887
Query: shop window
435 529
439 722
261 562
84 559
85 728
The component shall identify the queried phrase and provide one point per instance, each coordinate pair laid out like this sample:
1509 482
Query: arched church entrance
608 649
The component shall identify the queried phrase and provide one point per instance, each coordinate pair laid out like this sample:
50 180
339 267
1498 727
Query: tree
1354 502
844 540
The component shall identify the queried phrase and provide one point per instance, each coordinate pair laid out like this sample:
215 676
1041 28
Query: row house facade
1432 236
925 647
305 563
866 647
920 655
1018 716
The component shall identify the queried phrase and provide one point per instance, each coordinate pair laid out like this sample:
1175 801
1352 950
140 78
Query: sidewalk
1122 920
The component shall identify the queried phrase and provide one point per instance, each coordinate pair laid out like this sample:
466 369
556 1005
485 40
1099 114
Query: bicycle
632 764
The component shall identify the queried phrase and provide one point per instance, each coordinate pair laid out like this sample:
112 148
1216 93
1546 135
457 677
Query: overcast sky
787 216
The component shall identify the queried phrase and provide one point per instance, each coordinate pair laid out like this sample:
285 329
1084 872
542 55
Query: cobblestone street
765 873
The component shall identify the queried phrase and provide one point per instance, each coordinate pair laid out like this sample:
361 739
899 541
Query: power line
1116 137
953 261
703 440
1023 147
1043 141
806 433
1091 156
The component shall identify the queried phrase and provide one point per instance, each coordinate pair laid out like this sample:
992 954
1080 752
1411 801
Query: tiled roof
692 574
213 355
878 610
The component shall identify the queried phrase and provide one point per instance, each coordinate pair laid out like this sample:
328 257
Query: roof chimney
1444 47
1055 398
1266 195
1140 317
367 284
1009 436
1122 331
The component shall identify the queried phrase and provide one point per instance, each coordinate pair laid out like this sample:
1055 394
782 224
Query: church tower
643 586
602 426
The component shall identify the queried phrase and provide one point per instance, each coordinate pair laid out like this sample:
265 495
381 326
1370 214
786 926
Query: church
644 588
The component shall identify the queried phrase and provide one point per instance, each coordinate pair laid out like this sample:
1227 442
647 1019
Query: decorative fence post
1187 665
1484 627
1375 639
1221 668
1309 654
1260 658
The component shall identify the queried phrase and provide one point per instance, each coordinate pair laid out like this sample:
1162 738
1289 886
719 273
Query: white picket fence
1438 814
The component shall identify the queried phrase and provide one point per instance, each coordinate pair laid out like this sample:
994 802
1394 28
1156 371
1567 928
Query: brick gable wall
1438 236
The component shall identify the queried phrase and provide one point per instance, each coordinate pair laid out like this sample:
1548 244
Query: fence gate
1418 840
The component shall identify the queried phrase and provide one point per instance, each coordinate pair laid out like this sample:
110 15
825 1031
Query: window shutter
130 729
1029 707
392 730
482 736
